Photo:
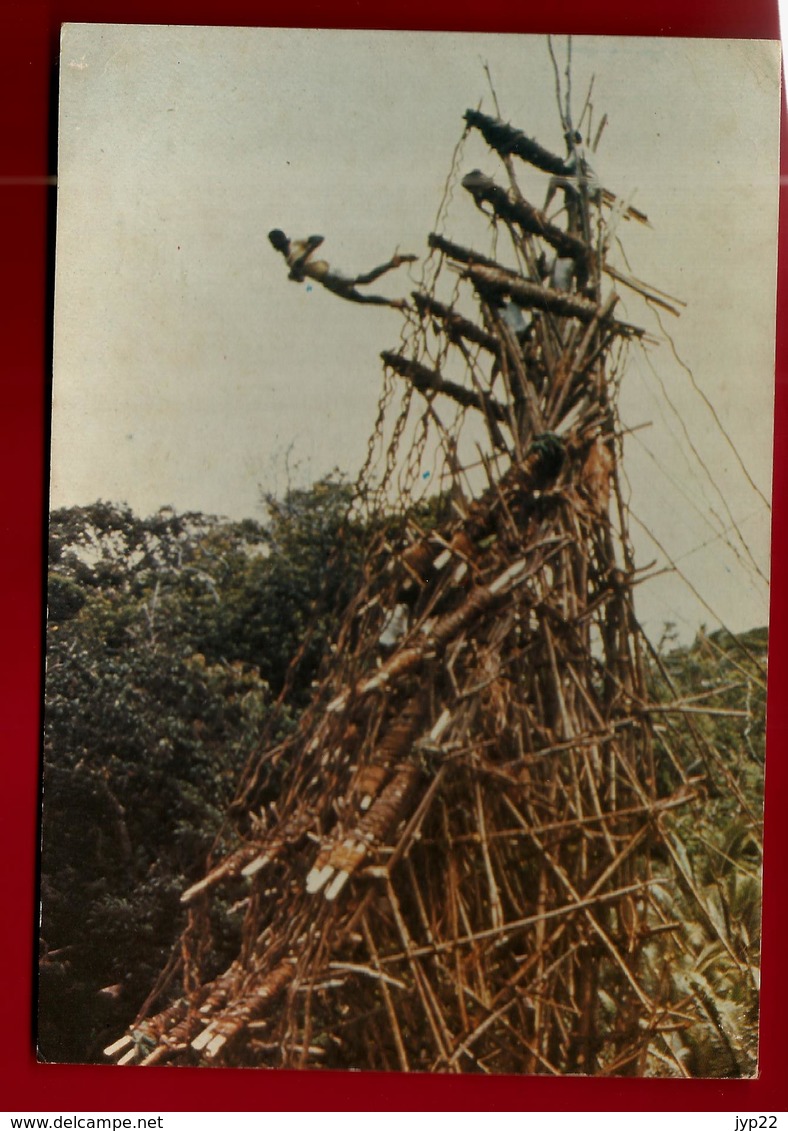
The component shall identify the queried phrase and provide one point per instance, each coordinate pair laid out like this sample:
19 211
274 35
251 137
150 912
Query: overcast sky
190 372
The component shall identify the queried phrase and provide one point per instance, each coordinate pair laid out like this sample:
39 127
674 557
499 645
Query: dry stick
479 952
570 888
736 864
496 911
448 1036
453 924
464 1047
315 959
547 334
592 785
496 438
723 689
525 245
584 738
418 977
468 928
682 709
512 421
620 857
537 959
534 1053
514 354
506 879
659 298
392 1014
595 413
579 808
568 954
515 926
420 908
358 968
170 970
584 750
466 923
358 914
601 315
449 446
541 906
606 940
558 1017
618 755
504 505
568 94
486 461
588 108
567 725
526 242
547 330
658 1028
634 1053
414 823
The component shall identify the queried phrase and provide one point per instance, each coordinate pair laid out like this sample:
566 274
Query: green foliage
287 598
168 638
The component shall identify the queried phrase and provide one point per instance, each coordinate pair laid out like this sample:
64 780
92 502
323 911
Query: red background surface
29 37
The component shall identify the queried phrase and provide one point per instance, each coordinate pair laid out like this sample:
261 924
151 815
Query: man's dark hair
279 240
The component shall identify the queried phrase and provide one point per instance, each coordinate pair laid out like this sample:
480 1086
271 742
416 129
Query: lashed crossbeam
506 139
455 326
518 211
430 381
